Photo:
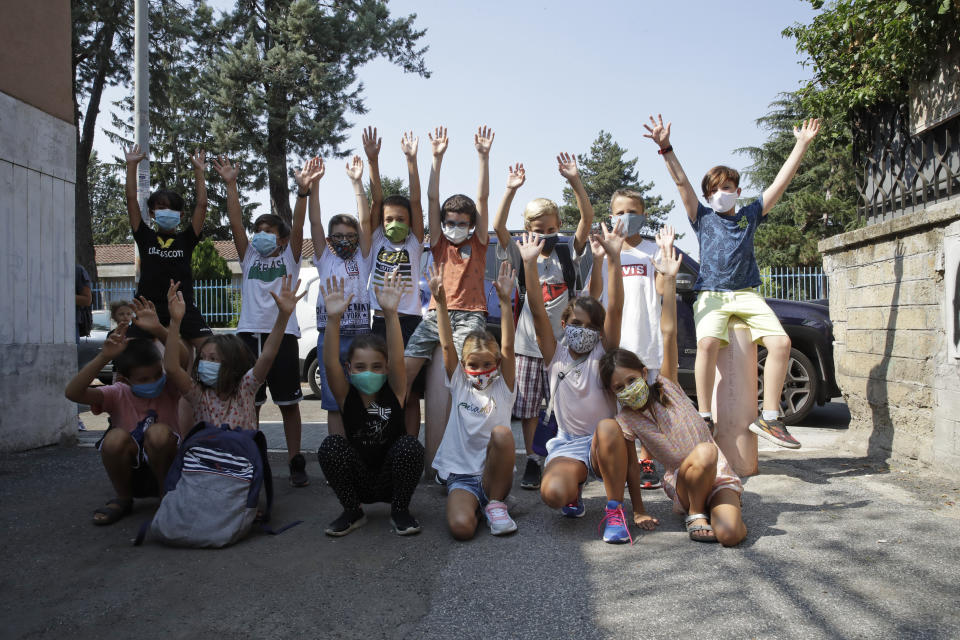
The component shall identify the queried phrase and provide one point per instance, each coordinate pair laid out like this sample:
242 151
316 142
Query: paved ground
839 547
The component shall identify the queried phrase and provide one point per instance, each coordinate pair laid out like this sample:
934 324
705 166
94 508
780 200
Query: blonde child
476 454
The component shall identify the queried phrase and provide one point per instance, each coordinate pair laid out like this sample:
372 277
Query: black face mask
549 241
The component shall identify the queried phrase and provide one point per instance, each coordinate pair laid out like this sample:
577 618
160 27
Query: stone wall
887 304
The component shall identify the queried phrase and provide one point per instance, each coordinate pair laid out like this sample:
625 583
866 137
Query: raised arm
611 243
516 175
78 389
409 145
316 220
504 287
567 165
661 135
145 317
286 305
445 332
389 298
438 143
306 179
230 173
804 136
668 267
171 362
483 139
133 156
371 147
335 301
199 162
529 250
355 173
596 272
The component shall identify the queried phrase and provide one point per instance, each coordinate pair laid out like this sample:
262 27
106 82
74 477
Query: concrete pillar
735 399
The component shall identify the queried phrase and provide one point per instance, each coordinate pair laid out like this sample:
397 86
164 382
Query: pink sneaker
499 519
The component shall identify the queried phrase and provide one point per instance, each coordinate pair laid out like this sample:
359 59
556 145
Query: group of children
591 332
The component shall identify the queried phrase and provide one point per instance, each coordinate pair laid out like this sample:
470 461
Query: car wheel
313 377
799 389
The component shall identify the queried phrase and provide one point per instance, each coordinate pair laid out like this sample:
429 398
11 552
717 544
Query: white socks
770 416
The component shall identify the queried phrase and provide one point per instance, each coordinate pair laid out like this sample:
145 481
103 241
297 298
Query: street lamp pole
141 107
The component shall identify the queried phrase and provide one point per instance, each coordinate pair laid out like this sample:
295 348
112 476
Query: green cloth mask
396 231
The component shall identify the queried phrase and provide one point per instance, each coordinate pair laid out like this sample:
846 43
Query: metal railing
793 283
218 300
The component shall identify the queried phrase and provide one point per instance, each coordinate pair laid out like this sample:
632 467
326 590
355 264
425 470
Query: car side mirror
685 282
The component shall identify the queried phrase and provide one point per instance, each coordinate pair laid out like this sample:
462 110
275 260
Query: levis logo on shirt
634 270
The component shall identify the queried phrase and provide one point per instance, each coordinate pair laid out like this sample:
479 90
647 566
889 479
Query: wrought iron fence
218 300
793 283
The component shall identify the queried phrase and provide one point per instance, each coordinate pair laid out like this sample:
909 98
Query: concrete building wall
888 306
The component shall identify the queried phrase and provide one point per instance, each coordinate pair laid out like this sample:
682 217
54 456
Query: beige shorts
713 309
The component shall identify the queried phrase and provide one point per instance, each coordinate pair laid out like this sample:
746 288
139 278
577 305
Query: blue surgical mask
149 389
264 242
208 372
368 382
632 223
167 219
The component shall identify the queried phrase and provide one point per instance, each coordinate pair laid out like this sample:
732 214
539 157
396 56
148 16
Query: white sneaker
499 519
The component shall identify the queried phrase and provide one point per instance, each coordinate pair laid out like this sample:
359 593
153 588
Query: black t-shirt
162 258
372 430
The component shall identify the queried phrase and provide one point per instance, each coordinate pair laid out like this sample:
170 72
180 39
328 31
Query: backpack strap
142 532
560 376
261 441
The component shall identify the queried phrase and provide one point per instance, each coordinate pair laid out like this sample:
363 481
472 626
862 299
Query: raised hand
516 176
530 244
312 171
199 160
392 290
335 301
669 262
145 315
408 144
435 280
288 298
505 281
134 155
659 133
438 140
611 241
567 164
114 345
371 143
483 140
227 171
808 131
355 169
175 304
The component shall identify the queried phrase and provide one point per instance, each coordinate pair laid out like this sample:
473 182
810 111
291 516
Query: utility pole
141 107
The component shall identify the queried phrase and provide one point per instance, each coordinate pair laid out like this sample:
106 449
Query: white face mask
456 235
722 201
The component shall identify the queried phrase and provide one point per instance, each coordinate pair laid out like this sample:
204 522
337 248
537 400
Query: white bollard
735 399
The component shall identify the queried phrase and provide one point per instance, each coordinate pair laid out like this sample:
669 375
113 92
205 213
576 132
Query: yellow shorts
713 309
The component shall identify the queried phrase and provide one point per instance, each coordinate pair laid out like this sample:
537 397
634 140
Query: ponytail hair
628 360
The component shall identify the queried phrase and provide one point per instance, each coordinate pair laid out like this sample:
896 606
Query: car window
101 320
493 267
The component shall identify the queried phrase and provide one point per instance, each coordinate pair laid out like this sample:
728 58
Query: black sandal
113 511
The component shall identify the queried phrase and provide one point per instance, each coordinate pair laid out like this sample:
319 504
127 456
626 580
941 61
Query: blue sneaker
616 530
575 509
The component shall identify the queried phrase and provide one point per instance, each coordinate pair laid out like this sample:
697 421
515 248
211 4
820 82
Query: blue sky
548 76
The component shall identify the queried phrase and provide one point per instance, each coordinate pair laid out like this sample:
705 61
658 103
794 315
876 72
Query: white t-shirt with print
473 415
579 401
355 272
640 327
387 256
260 276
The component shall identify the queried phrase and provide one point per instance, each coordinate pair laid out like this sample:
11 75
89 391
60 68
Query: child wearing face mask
273 252
165 253
476 454
144 432
343 253
698 477
375 460
729 274
557 269
578 400
224 379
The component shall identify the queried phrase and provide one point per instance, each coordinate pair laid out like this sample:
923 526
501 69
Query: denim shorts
327 401
426 337
473 484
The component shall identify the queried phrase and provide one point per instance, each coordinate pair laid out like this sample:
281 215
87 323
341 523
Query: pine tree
603 171
286 81
108 204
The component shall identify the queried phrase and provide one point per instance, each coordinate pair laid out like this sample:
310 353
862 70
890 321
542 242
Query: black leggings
355 483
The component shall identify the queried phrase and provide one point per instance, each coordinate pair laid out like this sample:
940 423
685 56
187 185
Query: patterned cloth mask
344 248
635 394
482 379
581 339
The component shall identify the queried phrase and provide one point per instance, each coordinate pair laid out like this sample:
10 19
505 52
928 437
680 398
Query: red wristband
665 150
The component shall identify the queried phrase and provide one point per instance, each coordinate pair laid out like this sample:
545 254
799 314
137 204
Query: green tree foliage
821 200
108 204
604 170
864 52
288 77
207 263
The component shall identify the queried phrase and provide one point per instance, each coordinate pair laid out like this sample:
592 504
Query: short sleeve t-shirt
580 402
473 415
387 257
554 289
640 326
127 411
355 272
261 275
372 430
463 271
162 258
238 411
727 260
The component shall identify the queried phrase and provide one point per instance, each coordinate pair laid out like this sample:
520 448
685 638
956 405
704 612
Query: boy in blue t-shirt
729 274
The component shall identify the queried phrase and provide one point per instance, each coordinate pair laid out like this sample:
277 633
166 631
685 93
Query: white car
307 318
